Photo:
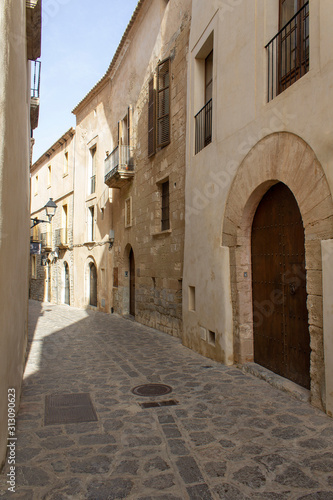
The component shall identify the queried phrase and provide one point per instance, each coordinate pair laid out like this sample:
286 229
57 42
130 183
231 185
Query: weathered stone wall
158 254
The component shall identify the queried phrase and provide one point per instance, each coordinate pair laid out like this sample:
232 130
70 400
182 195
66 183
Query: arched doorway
47 286
280 317
279 157
131 283
66 284
92 285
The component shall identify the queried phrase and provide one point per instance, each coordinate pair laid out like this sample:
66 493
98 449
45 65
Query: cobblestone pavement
232 436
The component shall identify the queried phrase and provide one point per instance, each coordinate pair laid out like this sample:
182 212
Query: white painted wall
14 202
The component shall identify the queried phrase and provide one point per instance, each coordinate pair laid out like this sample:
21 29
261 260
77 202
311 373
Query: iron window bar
288 53
203 126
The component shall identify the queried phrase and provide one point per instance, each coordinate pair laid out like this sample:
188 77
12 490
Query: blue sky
79 39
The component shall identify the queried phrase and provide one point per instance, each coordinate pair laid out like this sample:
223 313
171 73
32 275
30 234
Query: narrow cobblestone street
231 435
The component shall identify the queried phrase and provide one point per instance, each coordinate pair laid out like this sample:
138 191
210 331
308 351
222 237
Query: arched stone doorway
280 157
66 292
281 340
92 285
48 282
131 283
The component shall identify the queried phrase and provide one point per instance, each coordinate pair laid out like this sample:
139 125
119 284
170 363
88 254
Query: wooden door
66 301
280 316
93 285
132 283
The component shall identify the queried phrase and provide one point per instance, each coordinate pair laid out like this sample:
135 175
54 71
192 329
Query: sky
79 39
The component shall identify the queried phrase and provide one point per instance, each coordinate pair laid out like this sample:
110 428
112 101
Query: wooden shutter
163 103
151 118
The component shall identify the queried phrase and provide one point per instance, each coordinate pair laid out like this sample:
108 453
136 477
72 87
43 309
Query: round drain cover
152 390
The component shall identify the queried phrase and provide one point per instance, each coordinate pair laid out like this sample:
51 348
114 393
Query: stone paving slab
232 436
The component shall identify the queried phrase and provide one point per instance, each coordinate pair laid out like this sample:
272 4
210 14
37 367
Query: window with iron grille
165 213
289 50
204 62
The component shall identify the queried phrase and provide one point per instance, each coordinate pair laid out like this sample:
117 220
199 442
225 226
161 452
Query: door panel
93 285
280 317
66 284
132 283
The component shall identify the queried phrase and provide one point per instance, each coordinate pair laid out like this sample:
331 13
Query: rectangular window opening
91 225
211 337
191 298
165 215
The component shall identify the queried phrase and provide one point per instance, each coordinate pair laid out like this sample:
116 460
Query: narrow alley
221 434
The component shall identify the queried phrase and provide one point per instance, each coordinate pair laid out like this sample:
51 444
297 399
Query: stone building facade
258 189
20 43
52 176
131 138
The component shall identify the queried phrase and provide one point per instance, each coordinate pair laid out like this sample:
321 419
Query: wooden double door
280 316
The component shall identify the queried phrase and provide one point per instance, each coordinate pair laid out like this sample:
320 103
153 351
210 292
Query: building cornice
60 142
103 81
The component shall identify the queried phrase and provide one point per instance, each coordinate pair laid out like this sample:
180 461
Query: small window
64 229
49 174
91 223
35 233
191 298
66 163
165 214
92 171
128 212
34 266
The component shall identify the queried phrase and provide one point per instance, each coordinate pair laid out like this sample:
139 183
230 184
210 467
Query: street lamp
50 209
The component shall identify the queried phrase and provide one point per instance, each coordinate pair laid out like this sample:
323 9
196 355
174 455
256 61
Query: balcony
289 53
203 126
33 28
35 88
119 167
61 238
46 241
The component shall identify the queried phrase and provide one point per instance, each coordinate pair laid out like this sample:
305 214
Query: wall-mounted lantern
50 209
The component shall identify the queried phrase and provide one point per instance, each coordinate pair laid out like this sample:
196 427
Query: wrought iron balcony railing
61 237
289 53
35 79
119 167
203 126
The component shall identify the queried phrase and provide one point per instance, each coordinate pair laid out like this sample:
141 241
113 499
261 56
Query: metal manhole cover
152 390
68 409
